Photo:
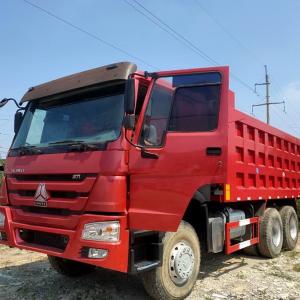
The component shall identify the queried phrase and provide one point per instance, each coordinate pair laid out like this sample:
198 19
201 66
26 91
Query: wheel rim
276 233
293 228
181 263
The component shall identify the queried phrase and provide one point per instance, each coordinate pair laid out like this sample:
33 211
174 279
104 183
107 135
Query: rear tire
270 233
176 277
290 227
69 267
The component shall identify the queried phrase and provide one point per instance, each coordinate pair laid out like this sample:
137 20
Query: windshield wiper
28 149
76 145
65 142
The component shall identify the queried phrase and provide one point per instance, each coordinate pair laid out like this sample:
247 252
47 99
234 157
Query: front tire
176 277
290 227
69 267
270 234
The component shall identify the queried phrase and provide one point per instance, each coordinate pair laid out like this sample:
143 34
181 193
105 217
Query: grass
296 268
276 271
292 254
241 276
281 274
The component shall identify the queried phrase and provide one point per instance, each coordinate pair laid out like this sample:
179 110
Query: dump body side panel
263 162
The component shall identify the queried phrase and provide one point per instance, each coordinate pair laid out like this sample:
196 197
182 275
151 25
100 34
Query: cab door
182 141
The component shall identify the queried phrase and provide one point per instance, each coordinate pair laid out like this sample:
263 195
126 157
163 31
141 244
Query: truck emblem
76 177
41 196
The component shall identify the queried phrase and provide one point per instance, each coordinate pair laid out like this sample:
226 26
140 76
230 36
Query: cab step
146 265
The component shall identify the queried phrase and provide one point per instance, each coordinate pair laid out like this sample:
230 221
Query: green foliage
296 267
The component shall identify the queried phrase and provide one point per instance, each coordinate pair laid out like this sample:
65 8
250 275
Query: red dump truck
144 173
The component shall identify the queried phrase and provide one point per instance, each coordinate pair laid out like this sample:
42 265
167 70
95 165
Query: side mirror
3 102
129 96
18 121
129 122
2 168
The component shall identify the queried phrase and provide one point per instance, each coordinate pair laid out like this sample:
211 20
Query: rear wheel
69 267
290 227
176 277
270 233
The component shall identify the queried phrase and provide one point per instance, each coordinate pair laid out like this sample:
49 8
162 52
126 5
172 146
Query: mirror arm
4 100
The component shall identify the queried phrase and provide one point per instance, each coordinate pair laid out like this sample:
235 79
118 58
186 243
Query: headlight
102 231
2 219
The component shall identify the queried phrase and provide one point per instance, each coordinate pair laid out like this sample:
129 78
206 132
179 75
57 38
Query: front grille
53 240
52 177
24 193
63 193
46 210
53 194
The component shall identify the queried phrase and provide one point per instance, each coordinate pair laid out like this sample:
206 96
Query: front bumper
117 258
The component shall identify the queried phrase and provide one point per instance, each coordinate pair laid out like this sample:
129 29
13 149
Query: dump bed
262 162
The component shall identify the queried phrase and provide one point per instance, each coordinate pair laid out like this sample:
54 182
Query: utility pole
267 103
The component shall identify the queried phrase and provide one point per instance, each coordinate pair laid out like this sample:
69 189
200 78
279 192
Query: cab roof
118 71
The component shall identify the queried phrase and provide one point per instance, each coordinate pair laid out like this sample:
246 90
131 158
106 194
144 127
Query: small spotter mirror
18 121
129 96
3 102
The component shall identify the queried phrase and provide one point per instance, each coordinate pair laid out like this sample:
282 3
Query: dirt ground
27 275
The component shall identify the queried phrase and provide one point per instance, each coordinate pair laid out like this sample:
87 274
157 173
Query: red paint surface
254 223
258 161
117 258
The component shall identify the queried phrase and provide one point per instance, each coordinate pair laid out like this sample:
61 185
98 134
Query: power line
187 42
171 31
292 128
251 53
290 114
267 103
155 22
174 33
92 35
279 91
223 28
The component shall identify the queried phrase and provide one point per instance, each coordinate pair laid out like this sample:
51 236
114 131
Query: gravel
27 275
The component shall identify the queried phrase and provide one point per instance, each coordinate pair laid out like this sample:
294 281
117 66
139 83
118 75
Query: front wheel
176 277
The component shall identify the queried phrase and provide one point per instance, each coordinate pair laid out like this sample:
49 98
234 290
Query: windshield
89 120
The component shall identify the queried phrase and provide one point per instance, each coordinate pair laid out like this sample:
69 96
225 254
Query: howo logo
41 196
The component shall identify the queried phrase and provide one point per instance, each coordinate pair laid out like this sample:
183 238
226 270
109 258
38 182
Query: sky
36 47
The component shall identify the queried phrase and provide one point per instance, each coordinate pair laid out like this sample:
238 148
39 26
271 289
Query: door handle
213 151
146 154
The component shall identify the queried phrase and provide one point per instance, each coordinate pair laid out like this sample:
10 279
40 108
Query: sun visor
118 71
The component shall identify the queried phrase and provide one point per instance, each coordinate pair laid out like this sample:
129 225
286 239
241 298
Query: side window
140 99
157 115
195 109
